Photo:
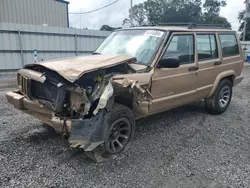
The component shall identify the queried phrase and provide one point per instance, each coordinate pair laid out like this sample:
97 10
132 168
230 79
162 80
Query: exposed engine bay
83 100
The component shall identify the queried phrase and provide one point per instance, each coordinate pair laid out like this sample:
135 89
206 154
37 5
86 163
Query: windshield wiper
96 53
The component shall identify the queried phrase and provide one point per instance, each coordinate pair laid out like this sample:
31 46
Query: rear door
216 53
209 61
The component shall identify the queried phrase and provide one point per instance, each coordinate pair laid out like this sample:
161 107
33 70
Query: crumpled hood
73 68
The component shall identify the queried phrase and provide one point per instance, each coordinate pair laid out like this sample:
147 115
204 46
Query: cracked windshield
142 44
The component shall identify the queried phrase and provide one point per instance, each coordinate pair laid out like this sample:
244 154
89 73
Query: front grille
24 85
49 95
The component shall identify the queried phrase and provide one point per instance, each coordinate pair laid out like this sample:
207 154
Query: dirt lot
184 147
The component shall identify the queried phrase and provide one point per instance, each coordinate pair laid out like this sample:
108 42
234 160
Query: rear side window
207 48
229 45
181 46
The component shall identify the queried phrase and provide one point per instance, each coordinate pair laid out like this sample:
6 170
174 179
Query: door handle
217 63
193 68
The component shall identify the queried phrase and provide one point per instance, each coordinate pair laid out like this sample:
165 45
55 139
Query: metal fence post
76 45
21 47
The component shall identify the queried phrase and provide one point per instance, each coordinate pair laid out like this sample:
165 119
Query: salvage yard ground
184 147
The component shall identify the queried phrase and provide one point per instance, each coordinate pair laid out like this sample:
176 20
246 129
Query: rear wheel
219 102
119 130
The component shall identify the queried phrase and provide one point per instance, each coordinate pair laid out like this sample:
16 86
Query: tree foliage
242 19
212 10
162 11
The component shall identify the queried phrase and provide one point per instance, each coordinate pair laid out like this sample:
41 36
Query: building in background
52 13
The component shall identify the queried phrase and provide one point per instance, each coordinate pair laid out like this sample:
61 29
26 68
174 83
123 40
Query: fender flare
219 77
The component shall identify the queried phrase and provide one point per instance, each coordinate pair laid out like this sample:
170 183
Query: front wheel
119 130
219 102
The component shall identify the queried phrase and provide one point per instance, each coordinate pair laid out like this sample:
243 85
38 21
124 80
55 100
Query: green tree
139 13
183 11
213 7
211 13
154 10
162 11
242 19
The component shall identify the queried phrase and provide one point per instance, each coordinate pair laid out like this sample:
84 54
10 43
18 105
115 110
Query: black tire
119 114
214 105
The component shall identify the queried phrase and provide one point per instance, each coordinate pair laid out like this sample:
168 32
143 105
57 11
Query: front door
172 87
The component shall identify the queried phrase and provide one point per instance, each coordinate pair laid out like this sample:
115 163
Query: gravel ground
184 147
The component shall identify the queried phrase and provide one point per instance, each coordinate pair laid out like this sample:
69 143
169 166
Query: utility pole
245 22
131 13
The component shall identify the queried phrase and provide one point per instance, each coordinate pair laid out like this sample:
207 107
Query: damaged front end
88 133
76 105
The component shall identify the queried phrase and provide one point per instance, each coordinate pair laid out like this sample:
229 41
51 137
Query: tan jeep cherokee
134 73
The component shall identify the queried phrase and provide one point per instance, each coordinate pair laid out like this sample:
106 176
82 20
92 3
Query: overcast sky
116 13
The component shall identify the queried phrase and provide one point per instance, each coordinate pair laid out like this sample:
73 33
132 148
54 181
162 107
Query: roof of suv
185 28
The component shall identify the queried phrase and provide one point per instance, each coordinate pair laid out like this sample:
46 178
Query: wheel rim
118 136
224 96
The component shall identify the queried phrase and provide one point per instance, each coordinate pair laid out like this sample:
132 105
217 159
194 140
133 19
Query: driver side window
181 46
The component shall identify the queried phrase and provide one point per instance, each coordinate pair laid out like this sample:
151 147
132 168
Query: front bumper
84 133
38 111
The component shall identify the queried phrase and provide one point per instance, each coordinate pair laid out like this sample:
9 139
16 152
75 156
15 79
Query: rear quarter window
229 45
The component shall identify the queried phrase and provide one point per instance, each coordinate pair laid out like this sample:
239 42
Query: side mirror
169 62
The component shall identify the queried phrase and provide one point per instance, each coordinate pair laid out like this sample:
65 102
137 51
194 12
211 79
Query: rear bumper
238 80
38 111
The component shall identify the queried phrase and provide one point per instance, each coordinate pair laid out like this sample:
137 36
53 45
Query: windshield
142 44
